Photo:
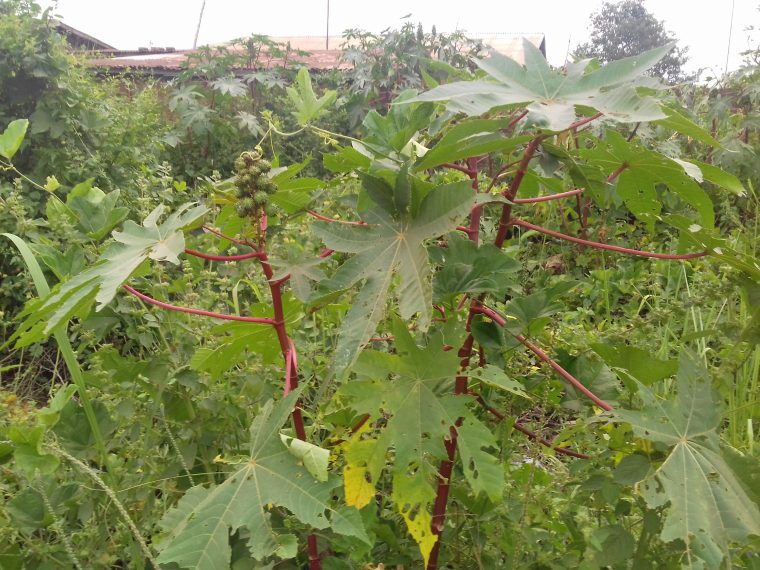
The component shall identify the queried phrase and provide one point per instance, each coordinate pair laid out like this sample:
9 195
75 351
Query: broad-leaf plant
418 244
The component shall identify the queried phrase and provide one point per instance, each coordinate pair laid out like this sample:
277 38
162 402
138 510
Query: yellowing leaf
200 525
363 467
418 409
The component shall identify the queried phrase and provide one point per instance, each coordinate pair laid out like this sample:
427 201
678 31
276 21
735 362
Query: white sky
702 25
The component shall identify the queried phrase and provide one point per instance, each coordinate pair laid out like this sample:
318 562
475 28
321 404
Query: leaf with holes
200 525
709 507
418 409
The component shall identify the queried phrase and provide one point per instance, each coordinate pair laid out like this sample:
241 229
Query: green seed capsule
264 165
270 210
267 186
260 198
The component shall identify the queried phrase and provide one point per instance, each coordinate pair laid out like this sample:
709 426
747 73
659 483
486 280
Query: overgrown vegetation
510 320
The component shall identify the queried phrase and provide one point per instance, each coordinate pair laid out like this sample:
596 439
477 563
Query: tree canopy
627 28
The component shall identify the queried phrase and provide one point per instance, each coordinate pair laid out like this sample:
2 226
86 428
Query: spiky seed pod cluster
253 186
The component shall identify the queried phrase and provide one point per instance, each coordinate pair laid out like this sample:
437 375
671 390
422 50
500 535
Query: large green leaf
386 247
95 211
644 171
467 268
709 507
153 240
551 96
308 107
200 525
391 133
12 137
417 408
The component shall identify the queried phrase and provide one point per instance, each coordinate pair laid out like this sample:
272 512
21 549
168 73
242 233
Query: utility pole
730 33
327 32
198 29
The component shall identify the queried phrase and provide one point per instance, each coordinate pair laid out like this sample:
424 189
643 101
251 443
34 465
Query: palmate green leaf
645 169
96 212
467 268
709 507
308 107
386 247
135 244
552 96
719 177
392 132
12 137
302 271
230 86
293 194
418 409
200 525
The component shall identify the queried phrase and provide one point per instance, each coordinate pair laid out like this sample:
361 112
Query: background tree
627 28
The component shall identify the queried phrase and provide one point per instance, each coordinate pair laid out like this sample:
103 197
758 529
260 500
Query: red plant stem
459 167
473 231
291 377
511 192
326 219
598 245
314 562
557 196
201 312
460 387
462 301
618 172
359 424
564 373
517 119
531 434
288 372
501 321
250 255
500 173
582 122
228 238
